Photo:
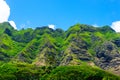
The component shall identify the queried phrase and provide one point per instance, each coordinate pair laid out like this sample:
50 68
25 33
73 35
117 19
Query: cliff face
44 46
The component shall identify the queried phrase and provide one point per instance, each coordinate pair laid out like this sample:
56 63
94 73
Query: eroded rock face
76 51
117 42
107 55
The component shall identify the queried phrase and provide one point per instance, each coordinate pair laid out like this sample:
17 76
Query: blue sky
63 13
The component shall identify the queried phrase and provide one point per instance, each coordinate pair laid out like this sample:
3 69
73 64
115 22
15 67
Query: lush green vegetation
83 72
47 54
23 71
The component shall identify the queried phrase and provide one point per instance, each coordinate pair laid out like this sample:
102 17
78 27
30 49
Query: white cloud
12 23
95 25
4 11
116 26
51 26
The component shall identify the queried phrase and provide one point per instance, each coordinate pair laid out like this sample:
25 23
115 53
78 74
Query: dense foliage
23 71
47 54
83 72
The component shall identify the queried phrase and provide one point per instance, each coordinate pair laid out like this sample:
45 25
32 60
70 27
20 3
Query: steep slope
96 46
6 28
48 54
89 44
43 49
75 51
8 47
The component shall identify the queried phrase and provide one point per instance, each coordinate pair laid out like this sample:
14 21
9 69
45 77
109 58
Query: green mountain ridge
43 48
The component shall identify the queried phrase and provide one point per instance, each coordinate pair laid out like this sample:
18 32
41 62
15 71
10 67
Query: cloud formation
5 13
116 26
51 26
95 25
12 23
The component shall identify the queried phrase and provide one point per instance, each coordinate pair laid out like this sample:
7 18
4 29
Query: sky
60 13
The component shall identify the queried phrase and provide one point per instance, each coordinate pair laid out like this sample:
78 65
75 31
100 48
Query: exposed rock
108 55
77 50
117 42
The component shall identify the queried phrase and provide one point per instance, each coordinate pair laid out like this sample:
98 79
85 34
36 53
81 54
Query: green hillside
82 52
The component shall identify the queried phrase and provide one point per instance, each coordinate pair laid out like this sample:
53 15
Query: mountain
44 51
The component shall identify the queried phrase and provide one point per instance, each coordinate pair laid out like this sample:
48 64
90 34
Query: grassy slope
52 46
83 72
18 71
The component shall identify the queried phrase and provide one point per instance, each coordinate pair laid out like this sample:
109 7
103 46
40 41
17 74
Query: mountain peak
43 46
5 26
